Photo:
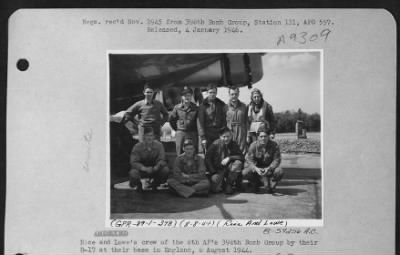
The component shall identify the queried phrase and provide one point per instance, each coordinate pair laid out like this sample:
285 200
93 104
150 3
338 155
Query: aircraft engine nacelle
233 69
129 72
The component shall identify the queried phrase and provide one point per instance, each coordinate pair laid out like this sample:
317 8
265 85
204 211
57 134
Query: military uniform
265 116
211 120
152 155
149 116
183 121
195 183
263 156
215 154
236 119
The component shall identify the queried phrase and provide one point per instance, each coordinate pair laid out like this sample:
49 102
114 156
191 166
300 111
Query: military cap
186 90
187 141
263 128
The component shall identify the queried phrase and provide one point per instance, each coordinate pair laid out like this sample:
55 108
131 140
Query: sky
290 81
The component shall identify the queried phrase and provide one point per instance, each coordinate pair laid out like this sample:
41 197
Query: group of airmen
237 141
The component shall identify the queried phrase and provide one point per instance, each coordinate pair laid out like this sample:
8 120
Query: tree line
286 121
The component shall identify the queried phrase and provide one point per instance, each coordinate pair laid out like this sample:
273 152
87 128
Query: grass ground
288 143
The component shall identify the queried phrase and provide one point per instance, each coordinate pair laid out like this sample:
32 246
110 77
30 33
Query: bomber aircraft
168 73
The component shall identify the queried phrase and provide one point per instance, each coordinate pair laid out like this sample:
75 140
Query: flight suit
236 120
183 121
264 117
263 156
220 173
195 183
211 120
152 155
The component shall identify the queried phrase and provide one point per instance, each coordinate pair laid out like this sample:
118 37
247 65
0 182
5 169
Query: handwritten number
325 33
303 36
313 37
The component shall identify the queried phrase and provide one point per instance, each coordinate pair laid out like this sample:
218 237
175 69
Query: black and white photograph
200 131
222 135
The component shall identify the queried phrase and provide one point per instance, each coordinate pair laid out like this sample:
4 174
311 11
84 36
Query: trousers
229 175
160 176
180 138
257 180
188 189
211 136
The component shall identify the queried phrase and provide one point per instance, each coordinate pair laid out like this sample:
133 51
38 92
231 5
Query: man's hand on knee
156 168
225 161
259 171
216 178
269 171
148 169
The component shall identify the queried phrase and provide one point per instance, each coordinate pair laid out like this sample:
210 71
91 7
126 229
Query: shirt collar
237 104
259 145
148 102
148 146
195 157
222 144
207 101
184 107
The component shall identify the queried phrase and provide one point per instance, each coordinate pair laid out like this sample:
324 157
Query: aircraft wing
129 72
